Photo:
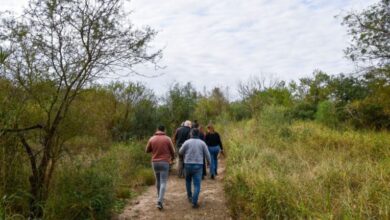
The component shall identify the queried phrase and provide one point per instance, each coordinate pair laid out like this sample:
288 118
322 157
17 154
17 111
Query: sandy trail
176 206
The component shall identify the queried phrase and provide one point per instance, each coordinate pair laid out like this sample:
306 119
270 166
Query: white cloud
218 43
222 42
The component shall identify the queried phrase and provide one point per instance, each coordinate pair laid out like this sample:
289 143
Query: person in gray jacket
193 151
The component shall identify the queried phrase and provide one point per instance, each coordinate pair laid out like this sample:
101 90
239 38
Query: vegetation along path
176 206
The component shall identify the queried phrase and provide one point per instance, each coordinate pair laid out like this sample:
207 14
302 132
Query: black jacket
213 139
182 134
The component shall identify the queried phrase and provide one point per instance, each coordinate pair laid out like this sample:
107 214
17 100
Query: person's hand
221 153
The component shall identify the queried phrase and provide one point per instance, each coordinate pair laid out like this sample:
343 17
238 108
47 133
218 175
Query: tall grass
91 185
96 186
282 169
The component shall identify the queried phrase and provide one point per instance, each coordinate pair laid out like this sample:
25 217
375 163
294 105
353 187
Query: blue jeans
161 170
214 150
193 174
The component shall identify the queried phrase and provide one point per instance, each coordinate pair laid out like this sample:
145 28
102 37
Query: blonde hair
187 123
210 127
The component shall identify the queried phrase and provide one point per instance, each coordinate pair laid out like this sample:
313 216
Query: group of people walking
193 147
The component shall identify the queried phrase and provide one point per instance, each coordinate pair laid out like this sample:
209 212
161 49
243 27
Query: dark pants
193 175
214 159
180 166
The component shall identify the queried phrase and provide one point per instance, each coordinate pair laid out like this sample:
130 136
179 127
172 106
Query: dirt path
176 206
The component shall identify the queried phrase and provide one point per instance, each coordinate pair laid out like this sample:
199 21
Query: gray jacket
194 150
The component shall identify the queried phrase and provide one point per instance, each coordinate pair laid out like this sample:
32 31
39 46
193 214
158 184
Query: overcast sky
219 43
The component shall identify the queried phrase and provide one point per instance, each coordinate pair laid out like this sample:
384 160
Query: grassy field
280 169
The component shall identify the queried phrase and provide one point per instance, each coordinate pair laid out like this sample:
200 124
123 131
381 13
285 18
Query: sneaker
160 206
212 176
195 206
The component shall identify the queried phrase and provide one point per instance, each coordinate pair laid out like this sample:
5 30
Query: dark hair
195 132
195 124
161 128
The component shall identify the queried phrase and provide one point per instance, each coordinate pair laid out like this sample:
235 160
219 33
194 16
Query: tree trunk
39 189
40 180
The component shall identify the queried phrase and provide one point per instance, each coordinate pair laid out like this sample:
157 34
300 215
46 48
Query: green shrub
274 116
303 110
326 114
83 192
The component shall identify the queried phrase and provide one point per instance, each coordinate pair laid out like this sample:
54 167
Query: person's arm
183 148
175 137
206 139
148 148
206 153
220 142
171 149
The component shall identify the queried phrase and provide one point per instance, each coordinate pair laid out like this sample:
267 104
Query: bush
239 111
83 192
369 114
303 110
326 114
274 117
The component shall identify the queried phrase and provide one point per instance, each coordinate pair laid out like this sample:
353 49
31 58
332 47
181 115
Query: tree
52 52
135 110
180 103
210 106
370 32
258 93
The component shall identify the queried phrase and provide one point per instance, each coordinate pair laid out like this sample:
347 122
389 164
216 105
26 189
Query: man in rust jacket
161 147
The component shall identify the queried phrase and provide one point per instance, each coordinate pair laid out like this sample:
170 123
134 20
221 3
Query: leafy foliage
370 31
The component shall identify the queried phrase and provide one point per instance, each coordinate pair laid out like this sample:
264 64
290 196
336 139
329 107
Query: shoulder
186 142
152 138
166 137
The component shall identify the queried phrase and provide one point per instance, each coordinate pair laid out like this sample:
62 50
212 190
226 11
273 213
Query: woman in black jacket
214 143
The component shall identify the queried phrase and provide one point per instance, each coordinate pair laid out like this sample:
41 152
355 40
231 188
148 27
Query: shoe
190 199
160 206
195 206
212 176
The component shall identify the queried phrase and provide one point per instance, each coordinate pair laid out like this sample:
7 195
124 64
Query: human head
187 123
195 132
195 124
210 127
161 128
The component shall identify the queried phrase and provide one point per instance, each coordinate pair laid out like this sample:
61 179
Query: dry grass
304 170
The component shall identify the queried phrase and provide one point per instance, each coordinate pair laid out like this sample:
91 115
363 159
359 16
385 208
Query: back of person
195 150
182 134
213 139
163 152
214 143
160 146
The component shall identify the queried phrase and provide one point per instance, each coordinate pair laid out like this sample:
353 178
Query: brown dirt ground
176 206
